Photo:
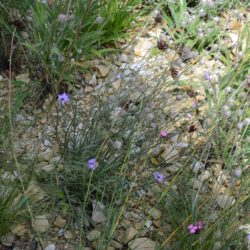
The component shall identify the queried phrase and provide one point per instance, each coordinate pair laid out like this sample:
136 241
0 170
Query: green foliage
186 28
11 206
61 34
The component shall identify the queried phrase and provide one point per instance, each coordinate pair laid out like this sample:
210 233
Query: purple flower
195 228
200 225
206 76
63 98
158 177
163 133
92 164
192 229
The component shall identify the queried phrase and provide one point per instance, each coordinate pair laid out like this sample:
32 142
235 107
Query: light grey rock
225 201
116 84
116 244
103 70
155 213
48 167
8 240
129 234
41 223
50 247
197 184
59 222
46 143
88 89
123 58
35 192
148 223
204 175
46 155
198 166
173 169
55 159
93 235
142 244
93 81
98 213
68 235
19 230
118 145
169 153
19 118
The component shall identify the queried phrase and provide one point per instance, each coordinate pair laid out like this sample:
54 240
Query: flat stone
19 118
19 230
197 184
129 234
48 167
68 235
59 222
225 201
110 248
155 213
93 235
123 58
8 240
88 89
148 224
169 153
45 156
116 244
219 189
93 81
98 215
116 84
55 159
41 223
23 78
173 169
142 244
103 69
50 247
46 143
143 47
35 192
198 166
204 175
157 223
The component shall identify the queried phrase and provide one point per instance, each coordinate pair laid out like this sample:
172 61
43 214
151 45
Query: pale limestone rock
98 213
225 201
103 70
59 222
35 192
41 223
129 234
93 235
142 244
19 230
68 235
50 247
155 213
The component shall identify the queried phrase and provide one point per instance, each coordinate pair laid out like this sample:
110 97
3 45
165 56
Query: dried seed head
240 125
99 20
228 90
62 18
237 172
161 44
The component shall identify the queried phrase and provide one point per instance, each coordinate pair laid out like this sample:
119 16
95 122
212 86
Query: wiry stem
12 137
